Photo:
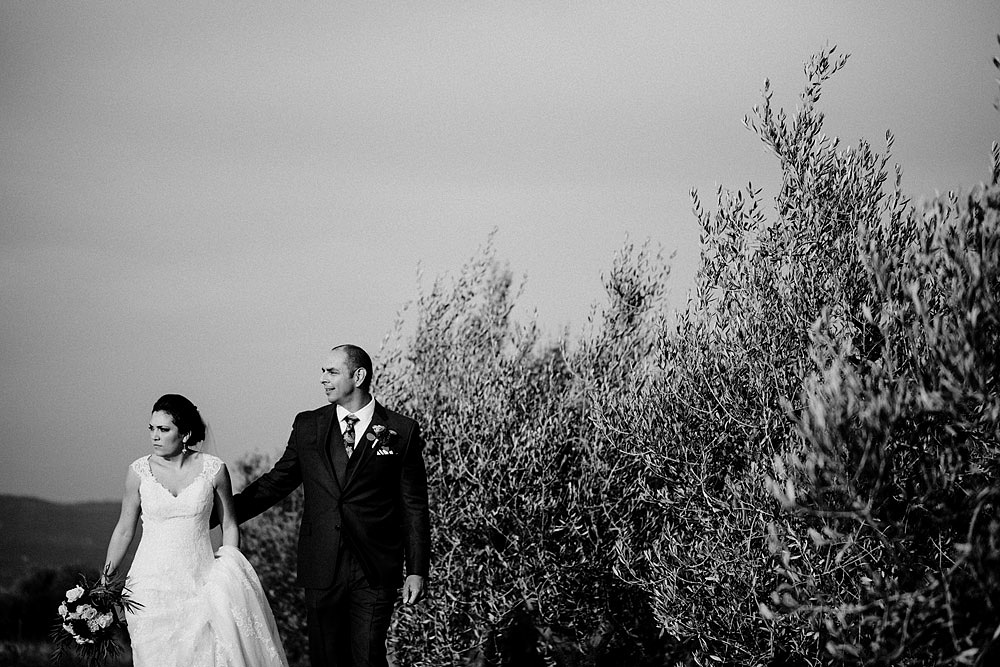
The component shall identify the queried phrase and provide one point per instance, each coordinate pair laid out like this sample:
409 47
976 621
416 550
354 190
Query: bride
198 608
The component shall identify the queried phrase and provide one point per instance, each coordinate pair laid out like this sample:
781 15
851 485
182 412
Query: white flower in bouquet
87 627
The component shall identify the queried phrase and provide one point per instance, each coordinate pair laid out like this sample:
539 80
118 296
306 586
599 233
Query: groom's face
338 379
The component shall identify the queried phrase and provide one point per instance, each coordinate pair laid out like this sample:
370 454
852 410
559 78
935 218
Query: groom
362 469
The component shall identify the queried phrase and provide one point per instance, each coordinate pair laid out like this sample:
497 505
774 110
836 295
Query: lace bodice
175 528
155 507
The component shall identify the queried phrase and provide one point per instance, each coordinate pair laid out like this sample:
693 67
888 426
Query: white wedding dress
199 609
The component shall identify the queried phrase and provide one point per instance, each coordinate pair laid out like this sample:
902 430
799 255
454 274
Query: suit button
337 527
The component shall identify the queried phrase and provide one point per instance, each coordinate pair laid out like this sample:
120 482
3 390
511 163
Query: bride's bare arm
227 511
124 532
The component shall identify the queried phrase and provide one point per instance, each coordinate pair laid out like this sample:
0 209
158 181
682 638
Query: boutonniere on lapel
379 437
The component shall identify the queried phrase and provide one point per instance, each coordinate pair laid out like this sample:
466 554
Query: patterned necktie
350 420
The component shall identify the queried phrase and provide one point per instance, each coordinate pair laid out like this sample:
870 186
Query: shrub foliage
797 467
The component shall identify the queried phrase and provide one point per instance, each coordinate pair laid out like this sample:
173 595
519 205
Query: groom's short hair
358 358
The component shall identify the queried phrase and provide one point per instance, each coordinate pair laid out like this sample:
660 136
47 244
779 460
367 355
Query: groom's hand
413 589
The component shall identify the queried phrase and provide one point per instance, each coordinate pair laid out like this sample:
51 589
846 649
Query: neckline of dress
199 475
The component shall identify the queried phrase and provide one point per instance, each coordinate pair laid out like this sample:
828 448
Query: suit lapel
327 439
364 450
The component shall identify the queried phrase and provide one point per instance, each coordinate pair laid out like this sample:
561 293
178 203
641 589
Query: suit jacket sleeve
416 515
268 489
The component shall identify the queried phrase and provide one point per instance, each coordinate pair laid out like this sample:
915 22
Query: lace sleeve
212 466
140 466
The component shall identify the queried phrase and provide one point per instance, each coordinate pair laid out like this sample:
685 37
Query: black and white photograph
499 334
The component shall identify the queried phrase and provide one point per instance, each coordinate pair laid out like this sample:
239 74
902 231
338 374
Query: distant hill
37 534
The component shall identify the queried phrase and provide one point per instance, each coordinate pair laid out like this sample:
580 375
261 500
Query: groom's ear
359 376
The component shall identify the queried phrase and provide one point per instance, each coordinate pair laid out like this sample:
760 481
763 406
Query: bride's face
167 440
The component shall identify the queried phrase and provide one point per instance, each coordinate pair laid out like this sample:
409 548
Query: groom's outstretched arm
268 489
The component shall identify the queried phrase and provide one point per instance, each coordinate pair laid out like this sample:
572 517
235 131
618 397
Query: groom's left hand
413 589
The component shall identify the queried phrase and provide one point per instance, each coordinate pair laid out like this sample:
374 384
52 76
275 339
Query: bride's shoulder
210 464
140 466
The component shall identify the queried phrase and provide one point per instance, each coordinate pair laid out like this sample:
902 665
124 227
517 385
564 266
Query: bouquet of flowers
91 618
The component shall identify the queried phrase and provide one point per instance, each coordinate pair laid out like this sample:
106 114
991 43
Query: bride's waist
189 545
171 561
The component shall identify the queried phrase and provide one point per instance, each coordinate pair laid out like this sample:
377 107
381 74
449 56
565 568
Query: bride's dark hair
185 414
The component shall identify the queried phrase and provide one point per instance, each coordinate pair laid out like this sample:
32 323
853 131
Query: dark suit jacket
378 507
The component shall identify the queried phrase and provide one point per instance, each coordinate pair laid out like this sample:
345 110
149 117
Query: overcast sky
204 197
